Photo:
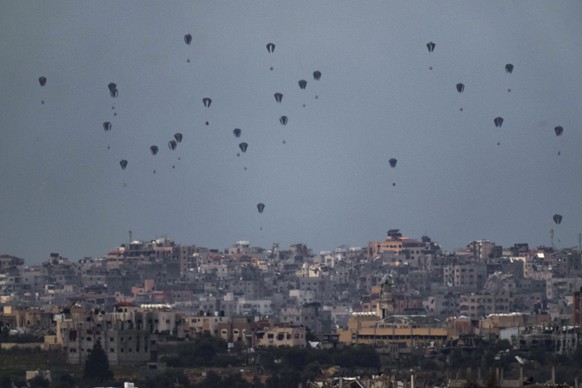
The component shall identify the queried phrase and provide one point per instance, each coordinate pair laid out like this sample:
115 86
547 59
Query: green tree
64 381
166 379
39 382
97 366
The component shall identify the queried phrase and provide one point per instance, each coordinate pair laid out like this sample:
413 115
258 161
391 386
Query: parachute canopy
430 46
558 130
207 101
393 162
279 97
283 120
302 84
243 146
188 38
178 137
42 81
112 89
172 144
123 164
498 121
154 149
509 68
260 207
317 75
460 87
236 132
107 126
270 47
557 218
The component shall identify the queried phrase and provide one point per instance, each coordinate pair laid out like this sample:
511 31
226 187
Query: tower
386 302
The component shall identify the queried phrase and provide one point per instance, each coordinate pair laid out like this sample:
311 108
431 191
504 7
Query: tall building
386 301
578 307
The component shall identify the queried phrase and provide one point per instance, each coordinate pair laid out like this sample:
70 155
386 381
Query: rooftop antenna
130 238
579 243
552 237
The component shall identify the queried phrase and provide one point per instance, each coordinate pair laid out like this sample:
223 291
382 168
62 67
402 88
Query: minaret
275 250
386 298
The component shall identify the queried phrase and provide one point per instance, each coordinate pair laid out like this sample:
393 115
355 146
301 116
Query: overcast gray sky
324 177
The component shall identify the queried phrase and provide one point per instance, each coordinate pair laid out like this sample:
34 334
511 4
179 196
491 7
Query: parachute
260 207
188 38
302 84
236 132
279 97
154 149
207 101
112 89
557 218
317 75
243 146
172 145
509 68
42 81
393 162
498 121
123 164
460 87
178 137
558 130
270 47
107 126
283 120
430 46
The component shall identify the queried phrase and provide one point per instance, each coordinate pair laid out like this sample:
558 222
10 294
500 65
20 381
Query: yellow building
369 329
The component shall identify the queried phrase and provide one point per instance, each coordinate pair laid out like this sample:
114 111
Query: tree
39 382
97 365
65 381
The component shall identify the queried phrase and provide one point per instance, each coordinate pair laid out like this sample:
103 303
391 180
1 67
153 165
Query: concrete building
312 316
466 275
371 330
280 336
192 325
125 341
481 304
483 250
